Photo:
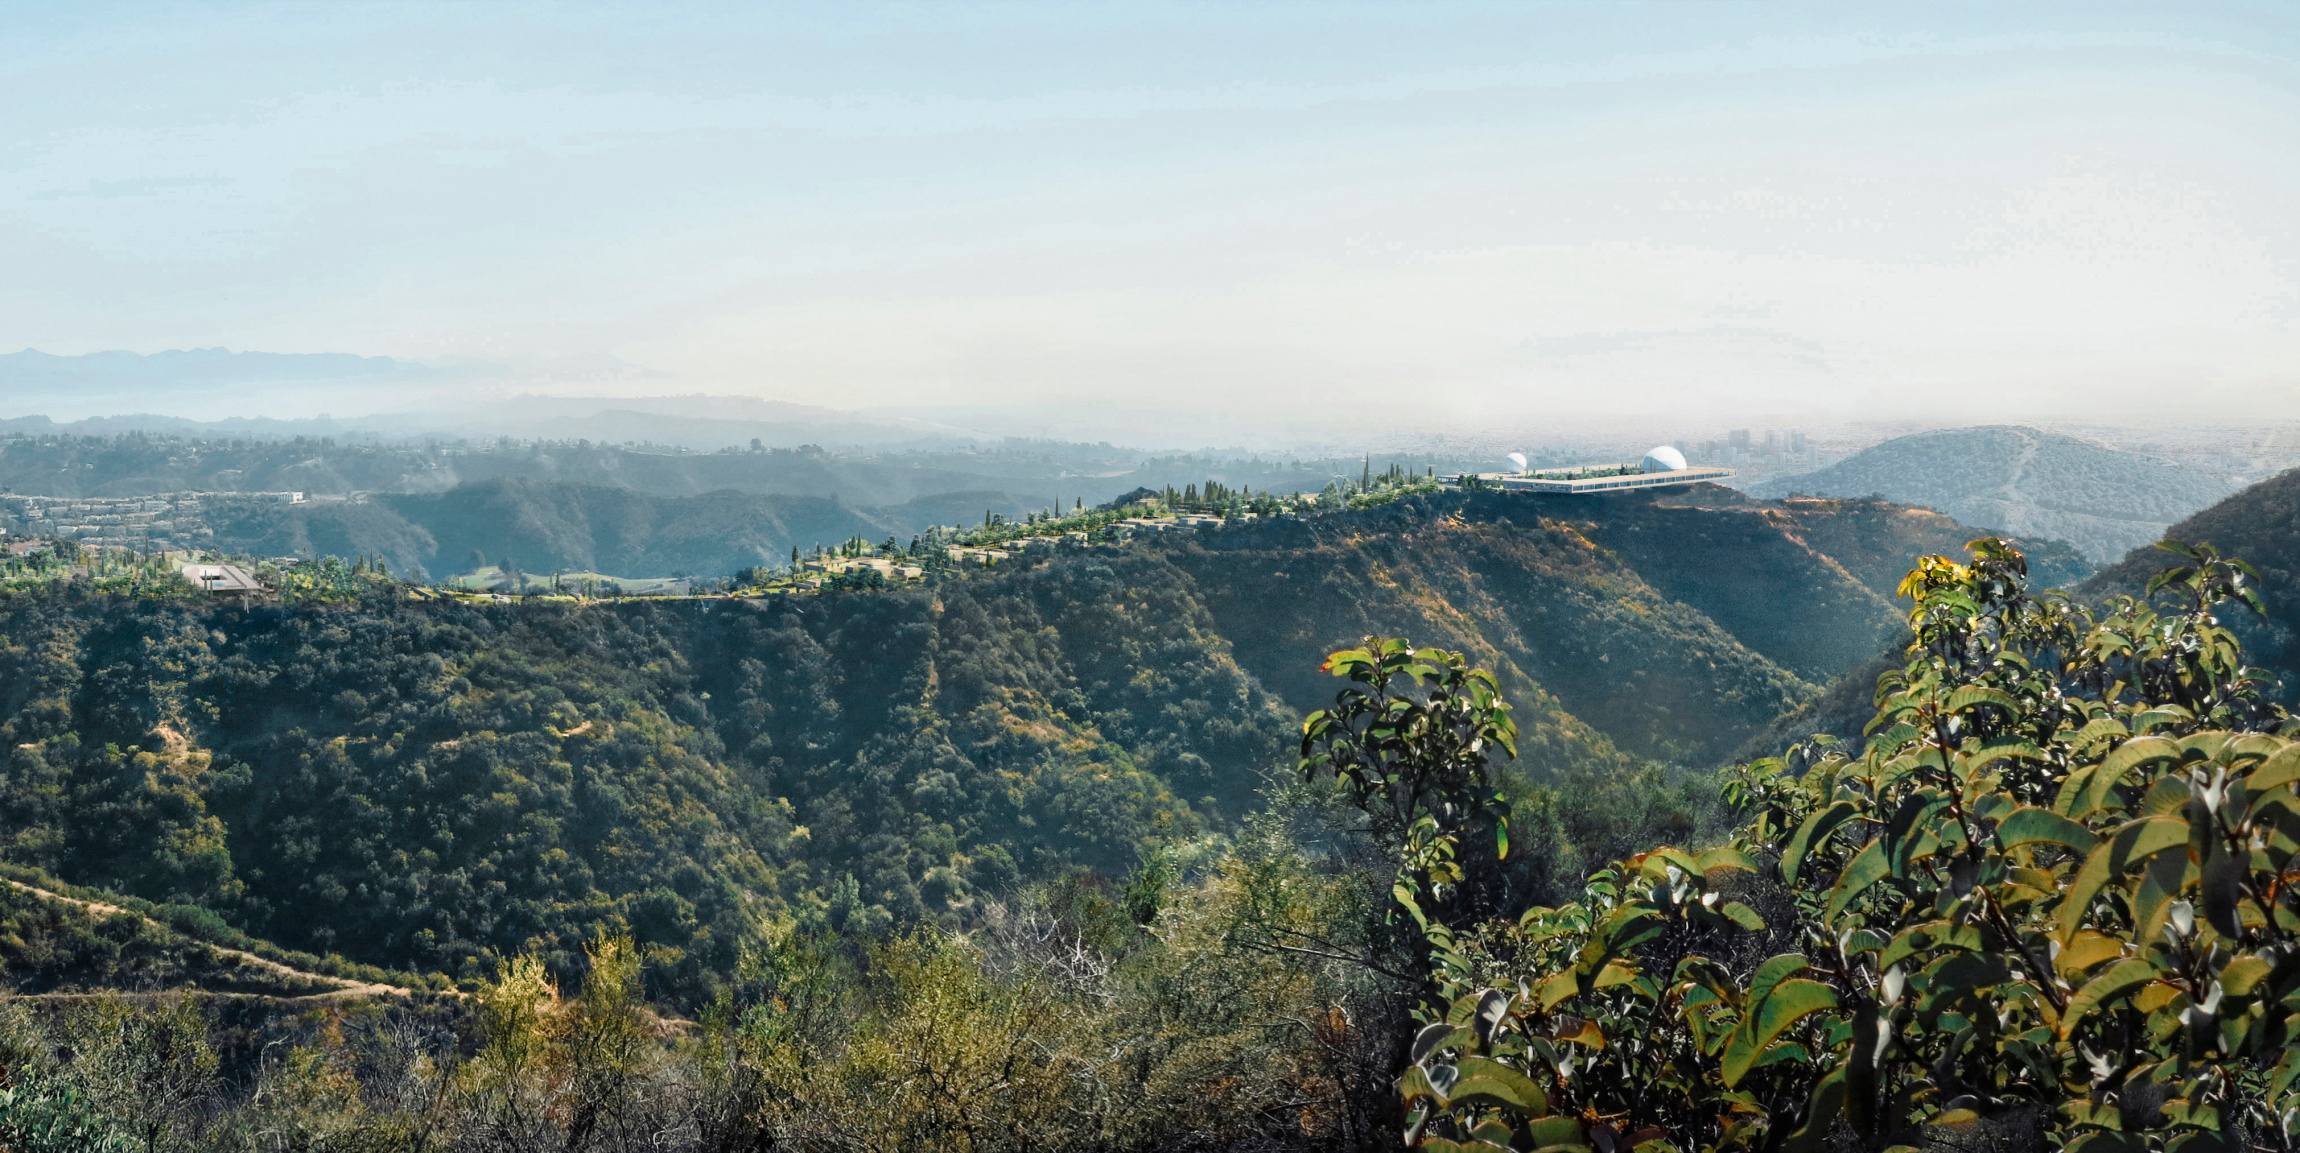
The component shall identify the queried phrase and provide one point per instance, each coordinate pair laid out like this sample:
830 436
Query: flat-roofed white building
1662 467
222 578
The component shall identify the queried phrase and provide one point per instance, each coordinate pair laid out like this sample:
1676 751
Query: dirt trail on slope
344 987
2029 446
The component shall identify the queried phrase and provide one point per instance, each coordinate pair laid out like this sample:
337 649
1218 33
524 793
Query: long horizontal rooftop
1599 479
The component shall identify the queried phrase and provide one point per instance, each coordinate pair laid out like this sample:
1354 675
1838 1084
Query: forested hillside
2033 484
1037 817
432 785
2261 526
542 525
133 464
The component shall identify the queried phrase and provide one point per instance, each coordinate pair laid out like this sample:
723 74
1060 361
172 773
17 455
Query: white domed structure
1662 459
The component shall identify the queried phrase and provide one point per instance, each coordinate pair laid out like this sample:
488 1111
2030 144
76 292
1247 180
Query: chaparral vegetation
1077 852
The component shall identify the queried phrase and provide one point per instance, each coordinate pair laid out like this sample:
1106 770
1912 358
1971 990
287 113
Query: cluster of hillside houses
171 520
895 568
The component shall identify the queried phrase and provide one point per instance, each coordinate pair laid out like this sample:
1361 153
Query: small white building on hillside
222 578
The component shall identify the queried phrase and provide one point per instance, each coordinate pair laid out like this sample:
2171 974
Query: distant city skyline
1481 214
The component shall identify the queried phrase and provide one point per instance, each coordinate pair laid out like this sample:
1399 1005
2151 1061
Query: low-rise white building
1663 467
222 578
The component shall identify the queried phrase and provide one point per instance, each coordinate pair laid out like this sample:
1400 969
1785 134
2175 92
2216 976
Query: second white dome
1662 459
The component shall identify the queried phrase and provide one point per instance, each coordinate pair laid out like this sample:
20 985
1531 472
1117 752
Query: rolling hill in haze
134 464
623 509
208 392
545 525
2032 484
31 368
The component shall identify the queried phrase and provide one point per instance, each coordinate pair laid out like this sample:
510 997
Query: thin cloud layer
1477 213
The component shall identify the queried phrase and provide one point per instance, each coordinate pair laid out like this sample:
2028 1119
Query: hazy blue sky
1501 209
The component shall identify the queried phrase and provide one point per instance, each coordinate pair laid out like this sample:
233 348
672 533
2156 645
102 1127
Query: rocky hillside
2029 483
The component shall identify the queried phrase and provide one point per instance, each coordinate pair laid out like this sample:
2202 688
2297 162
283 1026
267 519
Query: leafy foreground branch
2053 903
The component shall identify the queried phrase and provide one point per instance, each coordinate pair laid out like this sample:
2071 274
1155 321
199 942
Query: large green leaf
1726 857
2121 979
2000 750
1915 828
1786 1004
1559 988
1483 1079
1554 1132
1655 862
2161 883
1865 869
2160 717
1814 831
2243 975
2099 728
2275 772
1441 1145
1972 695
1704 973
2207 745
1929 937
1415 1084
2029 825
1623 929
1437 1036
2073 788
1958 975
2128 756
2128 845
2167 796
1774 971
1821 1112
2287 1074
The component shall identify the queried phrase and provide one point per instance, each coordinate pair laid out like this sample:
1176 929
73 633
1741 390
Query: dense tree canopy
2049 903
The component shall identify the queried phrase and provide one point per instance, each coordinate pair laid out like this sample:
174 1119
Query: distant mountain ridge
606 420
404 399
200 366
2024 481
877 494
407 399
